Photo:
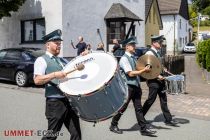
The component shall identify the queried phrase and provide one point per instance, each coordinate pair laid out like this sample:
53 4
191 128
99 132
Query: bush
203 54
199 54
208 56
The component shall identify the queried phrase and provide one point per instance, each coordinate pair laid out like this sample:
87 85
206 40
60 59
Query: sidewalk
196 85
196 102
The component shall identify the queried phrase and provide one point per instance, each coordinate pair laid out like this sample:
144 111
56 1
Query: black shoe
147 132
115 129
172 123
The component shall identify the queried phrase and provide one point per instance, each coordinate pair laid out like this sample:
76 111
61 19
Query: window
116 30
12 55
180 42
2 54
185 40
154 15
150 17
32 31
180 24
186 27
25 56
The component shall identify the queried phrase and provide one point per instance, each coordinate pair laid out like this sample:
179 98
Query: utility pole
198 27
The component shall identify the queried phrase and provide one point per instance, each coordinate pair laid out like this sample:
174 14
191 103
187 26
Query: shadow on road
10 83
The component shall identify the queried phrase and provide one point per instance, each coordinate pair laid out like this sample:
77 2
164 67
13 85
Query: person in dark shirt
89 48
81 46
116 45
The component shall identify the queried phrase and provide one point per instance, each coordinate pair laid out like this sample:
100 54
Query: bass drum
98 91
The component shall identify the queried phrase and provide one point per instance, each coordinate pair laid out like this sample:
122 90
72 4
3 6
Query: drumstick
169 72
79 67
165 70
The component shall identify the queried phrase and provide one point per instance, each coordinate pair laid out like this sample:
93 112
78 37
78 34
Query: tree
193 16
200 5
7 6
206 11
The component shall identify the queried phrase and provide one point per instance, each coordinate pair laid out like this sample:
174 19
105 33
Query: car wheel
21 78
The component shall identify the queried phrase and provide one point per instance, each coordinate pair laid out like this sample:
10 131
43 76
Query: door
9 64
2 55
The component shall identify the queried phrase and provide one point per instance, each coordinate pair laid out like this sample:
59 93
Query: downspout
174 37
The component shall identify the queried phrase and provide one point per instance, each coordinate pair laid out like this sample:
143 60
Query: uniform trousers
59 112
157 88
134 94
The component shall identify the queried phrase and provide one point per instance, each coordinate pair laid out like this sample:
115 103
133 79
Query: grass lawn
202 28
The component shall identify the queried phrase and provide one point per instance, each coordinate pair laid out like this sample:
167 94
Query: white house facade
176 27
176 31
90 19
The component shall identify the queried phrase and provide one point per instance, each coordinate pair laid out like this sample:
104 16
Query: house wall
74 17
177 34
152 25
10 30
168 32
87 17
183 32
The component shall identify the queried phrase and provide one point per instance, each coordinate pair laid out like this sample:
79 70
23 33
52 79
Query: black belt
56 99
133 86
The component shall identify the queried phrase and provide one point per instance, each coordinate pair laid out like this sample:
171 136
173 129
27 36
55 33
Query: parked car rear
17 64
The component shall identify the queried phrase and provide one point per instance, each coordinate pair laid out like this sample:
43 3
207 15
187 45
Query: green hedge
208 57
203 54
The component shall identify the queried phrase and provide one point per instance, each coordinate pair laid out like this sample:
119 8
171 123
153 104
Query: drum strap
51 88
56 59
156 54
56 86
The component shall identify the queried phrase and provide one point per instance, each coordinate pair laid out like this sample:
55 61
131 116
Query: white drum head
99 68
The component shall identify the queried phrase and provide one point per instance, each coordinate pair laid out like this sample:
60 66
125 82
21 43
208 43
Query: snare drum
175 84
98 91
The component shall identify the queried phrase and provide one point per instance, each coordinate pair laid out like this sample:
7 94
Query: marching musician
47 71
157 85
128 68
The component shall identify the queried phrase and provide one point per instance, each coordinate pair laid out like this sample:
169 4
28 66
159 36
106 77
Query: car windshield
190 44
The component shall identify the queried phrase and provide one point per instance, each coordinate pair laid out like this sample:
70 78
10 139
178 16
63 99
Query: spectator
81 45
89 48
100 47
116 45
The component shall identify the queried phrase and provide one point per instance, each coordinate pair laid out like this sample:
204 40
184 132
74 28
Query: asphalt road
22 110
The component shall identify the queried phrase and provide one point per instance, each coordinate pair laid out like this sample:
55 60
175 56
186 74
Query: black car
17 64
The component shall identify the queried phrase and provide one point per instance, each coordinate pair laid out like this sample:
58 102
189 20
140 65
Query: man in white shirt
157 85
129 72
48 71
